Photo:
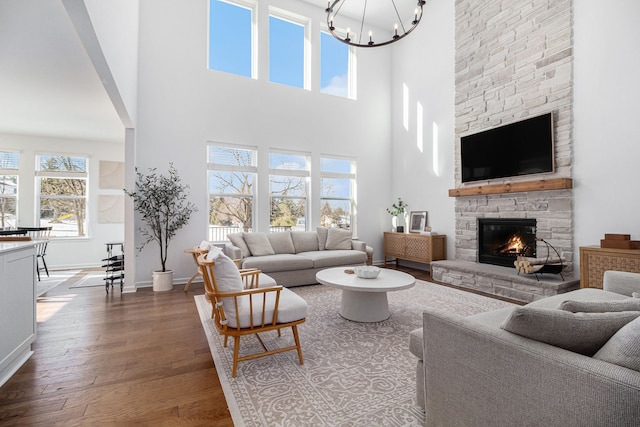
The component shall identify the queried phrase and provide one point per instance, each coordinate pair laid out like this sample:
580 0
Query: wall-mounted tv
520 148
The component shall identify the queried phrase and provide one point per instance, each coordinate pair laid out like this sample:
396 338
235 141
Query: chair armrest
250 277
621 282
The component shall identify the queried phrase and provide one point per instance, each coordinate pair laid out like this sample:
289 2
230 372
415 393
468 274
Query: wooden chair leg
186 287
236 353
294 328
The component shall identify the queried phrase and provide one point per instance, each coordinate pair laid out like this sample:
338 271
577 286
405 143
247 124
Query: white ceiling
48 85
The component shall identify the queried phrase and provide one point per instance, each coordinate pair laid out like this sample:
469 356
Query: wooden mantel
514 187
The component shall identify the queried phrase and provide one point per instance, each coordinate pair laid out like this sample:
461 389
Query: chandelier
400 23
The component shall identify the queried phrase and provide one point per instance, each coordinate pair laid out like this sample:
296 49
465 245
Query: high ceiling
48 85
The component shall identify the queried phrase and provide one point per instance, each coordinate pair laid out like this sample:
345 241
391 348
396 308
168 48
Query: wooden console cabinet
415 247
594 261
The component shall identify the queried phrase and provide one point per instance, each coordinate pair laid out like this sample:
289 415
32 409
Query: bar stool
41 234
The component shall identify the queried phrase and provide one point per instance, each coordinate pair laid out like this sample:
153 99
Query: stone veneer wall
514 60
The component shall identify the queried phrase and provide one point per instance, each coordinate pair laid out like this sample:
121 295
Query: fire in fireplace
501 240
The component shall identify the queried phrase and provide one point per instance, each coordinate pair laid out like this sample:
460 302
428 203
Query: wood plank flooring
119 359
132 359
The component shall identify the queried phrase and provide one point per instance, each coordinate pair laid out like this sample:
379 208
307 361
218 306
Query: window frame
62 174
252 169
252 6
10 172
304 174
352 177
305 23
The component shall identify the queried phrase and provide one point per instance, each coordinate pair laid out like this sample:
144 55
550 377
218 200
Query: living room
174 106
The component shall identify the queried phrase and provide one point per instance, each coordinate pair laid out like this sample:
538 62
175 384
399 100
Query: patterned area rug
354 374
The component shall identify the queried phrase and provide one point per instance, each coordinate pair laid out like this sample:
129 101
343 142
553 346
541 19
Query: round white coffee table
365 300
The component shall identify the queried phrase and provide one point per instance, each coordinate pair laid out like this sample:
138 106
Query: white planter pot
163 280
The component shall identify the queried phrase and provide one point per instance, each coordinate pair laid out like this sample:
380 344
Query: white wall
116 25
182 105
607 150
67 252
424 62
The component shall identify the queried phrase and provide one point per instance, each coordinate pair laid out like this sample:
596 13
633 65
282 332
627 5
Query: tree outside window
288 189
231 178
63 194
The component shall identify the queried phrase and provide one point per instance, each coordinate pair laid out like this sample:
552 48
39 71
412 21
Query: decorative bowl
367 271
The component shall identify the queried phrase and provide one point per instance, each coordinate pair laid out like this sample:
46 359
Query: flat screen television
520 148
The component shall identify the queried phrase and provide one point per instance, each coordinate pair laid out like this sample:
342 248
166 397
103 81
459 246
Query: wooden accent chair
195 252
241 307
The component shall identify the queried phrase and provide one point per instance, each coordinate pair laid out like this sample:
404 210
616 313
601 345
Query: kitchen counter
17 305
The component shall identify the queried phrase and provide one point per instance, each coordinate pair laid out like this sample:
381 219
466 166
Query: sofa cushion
629 304
279 262
305 241
583 294
338 239
322 237
323 259
582 333
623 348
281 242
237 239
258 244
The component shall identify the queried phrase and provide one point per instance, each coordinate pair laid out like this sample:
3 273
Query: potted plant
162 202
398 210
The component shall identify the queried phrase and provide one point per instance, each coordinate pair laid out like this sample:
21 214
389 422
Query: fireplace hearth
502 240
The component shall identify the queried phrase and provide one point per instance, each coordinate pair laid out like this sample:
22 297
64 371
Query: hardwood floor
136 359
130 359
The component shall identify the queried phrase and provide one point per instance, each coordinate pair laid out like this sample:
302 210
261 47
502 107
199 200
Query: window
231 37
286 51
231 181
62 183
9 164
334 66
288 189
337 192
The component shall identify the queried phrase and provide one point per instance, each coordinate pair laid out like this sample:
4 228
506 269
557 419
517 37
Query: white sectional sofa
293 258
500 368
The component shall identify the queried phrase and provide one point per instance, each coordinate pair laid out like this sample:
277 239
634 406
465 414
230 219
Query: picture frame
417 221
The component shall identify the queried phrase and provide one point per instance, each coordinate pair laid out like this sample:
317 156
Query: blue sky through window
230 49
334 66
286 52
230 38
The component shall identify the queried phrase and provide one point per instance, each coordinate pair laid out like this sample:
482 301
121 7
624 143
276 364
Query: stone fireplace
514 60
502 240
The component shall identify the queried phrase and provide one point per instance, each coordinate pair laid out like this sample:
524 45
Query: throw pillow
228 279
629 304
237 239
258 244
636 294
623 348
305 241
338 239
582 333
281 242
322 237
227 274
